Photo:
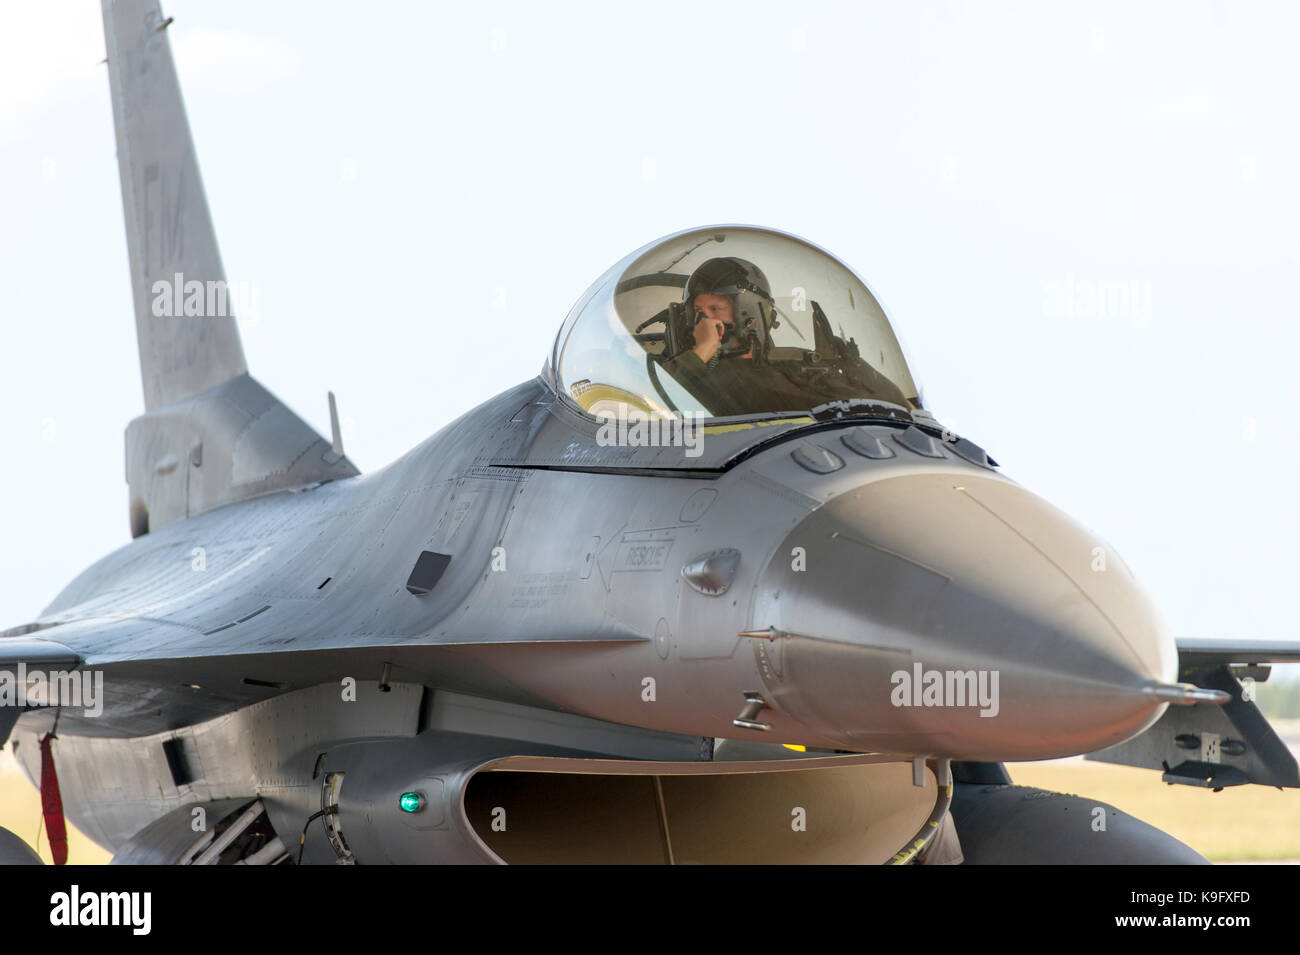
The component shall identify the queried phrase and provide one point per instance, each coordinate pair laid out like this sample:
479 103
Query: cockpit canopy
727 321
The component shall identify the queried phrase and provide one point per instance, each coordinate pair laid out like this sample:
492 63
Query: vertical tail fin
169 233
211 434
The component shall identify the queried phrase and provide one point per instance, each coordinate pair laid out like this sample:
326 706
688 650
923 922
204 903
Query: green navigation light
411 802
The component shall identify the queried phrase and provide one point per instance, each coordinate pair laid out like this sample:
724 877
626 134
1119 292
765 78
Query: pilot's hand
708 335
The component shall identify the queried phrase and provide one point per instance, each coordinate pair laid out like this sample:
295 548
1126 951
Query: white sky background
382 170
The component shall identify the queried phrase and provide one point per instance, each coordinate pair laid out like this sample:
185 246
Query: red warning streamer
52 803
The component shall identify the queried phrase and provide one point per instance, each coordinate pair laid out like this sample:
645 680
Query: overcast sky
421 191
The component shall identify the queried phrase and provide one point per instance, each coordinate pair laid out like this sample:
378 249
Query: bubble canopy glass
728 321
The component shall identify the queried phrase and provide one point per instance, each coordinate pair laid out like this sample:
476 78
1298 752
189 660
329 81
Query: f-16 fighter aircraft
714 588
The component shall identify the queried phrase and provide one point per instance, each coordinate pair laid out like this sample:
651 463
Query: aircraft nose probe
1184 694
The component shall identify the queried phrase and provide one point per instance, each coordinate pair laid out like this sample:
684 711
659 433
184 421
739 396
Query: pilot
730 303
717 293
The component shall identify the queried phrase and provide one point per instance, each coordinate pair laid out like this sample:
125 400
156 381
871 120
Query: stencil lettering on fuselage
635 552
534 591
643 551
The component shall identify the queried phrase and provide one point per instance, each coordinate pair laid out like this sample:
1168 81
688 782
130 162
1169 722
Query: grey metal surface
167 839
13 851
113 788
261 638
211 435
1211 745
230 443
816 457
862 441
1017 825
955 571
1206 651
168 225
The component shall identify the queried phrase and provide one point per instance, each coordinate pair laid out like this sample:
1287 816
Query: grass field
1245 823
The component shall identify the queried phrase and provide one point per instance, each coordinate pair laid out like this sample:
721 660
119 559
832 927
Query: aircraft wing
1206 651
1210 744
35 652
26 651
151 666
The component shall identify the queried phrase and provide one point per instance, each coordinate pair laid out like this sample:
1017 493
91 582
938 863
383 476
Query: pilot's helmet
727 276
741 281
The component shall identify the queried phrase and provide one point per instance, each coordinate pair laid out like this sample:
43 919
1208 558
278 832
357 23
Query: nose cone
958 615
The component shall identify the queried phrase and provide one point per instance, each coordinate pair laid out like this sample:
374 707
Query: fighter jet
715 587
